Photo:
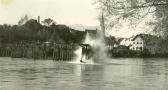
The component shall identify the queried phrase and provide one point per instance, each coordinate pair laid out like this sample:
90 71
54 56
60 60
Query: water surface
114 74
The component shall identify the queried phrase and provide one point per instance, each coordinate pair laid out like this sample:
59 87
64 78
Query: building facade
145 42
137 44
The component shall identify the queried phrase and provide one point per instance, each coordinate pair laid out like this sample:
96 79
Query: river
114 74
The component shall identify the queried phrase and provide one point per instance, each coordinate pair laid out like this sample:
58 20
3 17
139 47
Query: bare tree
135 11
116 7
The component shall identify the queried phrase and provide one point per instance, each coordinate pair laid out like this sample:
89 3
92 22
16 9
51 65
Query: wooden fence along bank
54 51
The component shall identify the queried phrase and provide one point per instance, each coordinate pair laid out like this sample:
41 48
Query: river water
114 74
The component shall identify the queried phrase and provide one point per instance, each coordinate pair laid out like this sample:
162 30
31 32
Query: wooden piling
59 52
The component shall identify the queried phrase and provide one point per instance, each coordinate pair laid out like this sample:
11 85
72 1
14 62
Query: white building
145 42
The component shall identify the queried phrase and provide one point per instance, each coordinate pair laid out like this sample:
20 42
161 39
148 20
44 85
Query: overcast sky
67 12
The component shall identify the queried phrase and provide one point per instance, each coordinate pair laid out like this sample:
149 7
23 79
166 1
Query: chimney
38 19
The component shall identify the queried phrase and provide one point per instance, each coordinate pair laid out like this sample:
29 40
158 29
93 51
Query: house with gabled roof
145 42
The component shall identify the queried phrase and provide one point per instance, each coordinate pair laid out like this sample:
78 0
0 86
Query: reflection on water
115 74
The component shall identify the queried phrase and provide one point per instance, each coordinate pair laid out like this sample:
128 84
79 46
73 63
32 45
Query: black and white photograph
83 44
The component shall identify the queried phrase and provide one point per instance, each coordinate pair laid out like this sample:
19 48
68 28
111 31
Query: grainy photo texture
83 44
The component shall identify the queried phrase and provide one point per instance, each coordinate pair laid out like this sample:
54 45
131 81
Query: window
137 48
141 48
133 42
137 42
140 42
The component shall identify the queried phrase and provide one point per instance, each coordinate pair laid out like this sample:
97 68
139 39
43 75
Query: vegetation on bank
124 51
33 31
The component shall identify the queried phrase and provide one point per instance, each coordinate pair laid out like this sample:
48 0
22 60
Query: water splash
98 46
78 54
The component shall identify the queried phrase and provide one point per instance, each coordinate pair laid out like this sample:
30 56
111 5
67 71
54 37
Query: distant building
92 33
145 42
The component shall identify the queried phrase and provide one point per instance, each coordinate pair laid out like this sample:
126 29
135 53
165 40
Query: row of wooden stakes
59 52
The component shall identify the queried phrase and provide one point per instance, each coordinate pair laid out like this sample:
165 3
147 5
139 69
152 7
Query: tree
23 20
128 7
48 22
135 11
32 24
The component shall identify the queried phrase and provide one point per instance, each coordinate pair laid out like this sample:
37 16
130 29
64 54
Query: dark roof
146 37
91 31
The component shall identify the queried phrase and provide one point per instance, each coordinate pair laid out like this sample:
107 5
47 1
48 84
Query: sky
67 12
